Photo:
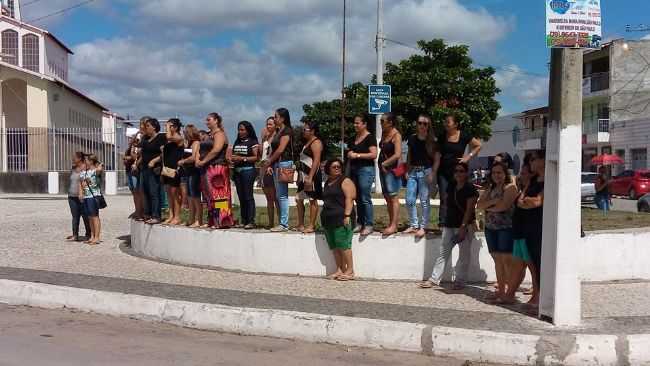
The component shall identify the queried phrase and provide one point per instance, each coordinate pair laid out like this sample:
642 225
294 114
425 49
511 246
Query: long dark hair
249 129
284 113
431 144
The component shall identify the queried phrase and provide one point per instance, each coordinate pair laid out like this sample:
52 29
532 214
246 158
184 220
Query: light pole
379 44
343 84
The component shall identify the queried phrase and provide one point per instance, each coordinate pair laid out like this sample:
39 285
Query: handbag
400 170
167 172
287 175
101 201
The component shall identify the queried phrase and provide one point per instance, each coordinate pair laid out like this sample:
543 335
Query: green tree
328 116
443 81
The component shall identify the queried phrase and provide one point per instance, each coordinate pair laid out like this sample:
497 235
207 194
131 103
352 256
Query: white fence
30 150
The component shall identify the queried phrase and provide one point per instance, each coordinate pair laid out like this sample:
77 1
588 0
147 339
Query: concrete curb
465 344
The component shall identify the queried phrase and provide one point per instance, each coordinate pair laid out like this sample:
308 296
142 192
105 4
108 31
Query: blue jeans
443 184
132 180
244 181
282 193
153 195
363 179
77 212
602 202
417 186
390 184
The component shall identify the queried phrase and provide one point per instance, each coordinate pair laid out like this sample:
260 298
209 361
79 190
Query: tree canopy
439 81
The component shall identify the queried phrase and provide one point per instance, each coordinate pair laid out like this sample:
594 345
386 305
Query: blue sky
245 58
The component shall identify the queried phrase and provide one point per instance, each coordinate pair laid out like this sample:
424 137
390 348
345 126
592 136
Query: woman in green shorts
336 217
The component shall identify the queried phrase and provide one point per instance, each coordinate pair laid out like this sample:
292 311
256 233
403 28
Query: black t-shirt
275 144
534 189
451 152
362 148
244 148
418 152
457 203
151 148
128 163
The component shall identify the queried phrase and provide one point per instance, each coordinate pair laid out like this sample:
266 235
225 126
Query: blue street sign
379 99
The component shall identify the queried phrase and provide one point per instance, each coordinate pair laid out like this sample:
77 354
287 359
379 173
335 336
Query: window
12 8
639 158
10 46
31 54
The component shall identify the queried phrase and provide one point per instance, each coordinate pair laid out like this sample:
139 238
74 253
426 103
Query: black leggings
533 236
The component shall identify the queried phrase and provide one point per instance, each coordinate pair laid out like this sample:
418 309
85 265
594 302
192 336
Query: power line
30 3
62 11
501 68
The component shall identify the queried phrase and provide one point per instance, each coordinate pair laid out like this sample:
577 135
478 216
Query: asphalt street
59 337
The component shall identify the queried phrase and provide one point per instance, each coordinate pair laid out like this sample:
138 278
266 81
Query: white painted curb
464 344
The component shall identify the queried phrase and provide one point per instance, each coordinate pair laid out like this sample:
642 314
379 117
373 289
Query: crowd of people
194 168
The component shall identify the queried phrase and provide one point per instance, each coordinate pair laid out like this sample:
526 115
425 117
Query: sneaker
357 229
249 227
279 229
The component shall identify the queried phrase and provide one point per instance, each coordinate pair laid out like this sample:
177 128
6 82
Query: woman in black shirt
423 161
152 142
390 153
362 152
191 177
310 179
243 155
453 143
172 154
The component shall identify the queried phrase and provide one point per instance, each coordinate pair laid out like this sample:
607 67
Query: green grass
592 219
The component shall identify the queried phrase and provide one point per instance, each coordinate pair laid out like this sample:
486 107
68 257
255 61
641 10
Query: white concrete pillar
53 182
110 183
560 285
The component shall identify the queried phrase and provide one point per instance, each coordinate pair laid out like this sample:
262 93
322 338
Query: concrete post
110 188
53 182
380 80
560 286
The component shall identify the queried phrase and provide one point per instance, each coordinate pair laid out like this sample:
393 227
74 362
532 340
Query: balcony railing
603 125
594 83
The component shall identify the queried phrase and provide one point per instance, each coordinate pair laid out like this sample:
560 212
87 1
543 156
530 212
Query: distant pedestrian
458 229
602 190
361 155
389 158
338 201
90 193
310 177
453 144
74 201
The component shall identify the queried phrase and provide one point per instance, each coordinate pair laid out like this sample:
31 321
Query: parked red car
631 183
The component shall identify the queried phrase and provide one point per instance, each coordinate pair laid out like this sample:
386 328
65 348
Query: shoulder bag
101 201
166 171
287 175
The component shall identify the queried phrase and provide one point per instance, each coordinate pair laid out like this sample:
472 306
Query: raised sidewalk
38 269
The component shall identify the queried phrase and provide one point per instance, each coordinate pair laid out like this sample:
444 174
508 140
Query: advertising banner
573 24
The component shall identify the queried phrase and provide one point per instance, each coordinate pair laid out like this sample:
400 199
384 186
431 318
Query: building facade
615 109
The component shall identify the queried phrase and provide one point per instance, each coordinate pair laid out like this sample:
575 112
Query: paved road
48 337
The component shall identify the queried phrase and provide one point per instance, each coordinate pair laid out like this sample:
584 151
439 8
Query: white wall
606 256
55 56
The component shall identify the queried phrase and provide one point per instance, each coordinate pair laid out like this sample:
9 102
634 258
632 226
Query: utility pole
343 84
560 298
380 77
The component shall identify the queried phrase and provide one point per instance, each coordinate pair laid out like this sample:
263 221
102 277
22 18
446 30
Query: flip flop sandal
345 278
426 285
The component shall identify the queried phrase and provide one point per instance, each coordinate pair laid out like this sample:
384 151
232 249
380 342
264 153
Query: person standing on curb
423 161
151 143
458 229
389 156
453 143
243 156
338 198
266 178
280 163
75 203
362 152
171 155
310 178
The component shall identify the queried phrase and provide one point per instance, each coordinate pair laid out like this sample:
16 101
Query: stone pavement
32 249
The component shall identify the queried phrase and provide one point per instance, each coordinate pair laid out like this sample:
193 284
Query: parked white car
588 187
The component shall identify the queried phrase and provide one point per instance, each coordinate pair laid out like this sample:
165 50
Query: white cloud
527 89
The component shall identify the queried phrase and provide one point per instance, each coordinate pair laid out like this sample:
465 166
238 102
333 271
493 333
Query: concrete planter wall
607 256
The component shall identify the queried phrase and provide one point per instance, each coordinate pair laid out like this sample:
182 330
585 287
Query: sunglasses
335 167
422 123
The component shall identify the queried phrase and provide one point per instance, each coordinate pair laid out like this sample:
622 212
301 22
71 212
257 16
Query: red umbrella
607 159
